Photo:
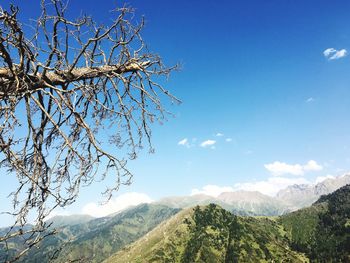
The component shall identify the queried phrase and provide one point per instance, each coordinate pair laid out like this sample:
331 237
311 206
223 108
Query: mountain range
298 196
319 233
92 240
257 204
228 224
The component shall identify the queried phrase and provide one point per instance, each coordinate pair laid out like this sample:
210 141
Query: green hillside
119 231
322 231
96 239
301 226
211 234
319 233
10 249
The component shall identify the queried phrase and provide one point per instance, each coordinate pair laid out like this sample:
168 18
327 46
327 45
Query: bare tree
67 89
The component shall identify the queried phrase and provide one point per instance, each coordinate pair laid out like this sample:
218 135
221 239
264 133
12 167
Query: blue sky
254 72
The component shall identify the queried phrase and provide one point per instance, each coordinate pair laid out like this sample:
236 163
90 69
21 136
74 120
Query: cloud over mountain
115 205
212 190
280 168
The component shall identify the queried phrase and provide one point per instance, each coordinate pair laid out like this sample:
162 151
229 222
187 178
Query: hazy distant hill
60 221
187 201
254 202
239 202
96 239
116 232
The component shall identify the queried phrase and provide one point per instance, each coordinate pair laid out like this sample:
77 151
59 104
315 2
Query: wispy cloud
280 168
212 190
219 134
332 53
228 139
184 142
115 205
207 143
312 166
309 100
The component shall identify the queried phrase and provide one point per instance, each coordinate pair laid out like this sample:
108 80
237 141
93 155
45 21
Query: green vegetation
320 233
96 239
211 234
121 230
301 226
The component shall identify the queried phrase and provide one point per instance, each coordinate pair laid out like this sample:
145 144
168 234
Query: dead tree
67 89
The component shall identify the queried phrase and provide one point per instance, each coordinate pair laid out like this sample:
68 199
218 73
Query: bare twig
66 92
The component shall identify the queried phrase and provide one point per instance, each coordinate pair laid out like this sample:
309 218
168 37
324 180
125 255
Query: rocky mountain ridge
255 203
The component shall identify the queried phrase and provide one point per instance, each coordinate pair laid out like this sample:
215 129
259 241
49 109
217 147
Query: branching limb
66 93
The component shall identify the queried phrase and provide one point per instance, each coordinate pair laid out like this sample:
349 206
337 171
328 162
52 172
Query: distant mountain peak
298 196
253 202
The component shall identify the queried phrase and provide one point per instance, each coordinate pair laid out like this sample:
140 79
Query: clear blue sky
253 71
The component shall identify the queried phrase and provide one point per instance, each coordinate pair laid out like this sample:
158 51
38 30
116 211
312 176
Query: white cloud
187 143
312 166
184 142
115 205
311 99
329 51
207 143
272 185
339 54
332 53
228 140
219 134
212 190
280 168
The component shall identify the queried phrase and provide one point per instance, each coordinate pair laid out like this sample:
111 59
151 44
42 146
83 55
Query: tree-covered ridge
323 230
333 230
301 226
211 234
